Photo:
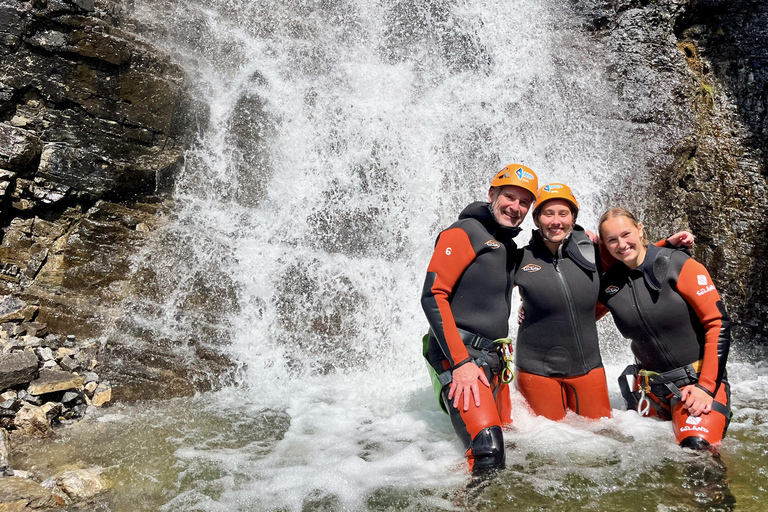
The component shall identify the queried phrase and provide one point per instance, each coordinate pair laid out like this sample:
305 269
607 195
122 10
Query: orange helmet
518 176
555 191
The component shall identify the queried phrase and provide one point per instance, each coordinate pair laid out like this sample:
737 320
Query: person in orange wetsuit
467 301
666 303
557 356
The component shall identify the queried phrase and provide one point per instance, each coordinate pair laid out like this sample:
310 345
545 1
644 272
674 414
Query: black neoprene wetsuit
558 336
671 311
469 283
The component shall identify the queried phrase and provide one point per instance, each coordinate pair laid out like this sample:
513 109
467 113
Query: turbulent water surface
343 135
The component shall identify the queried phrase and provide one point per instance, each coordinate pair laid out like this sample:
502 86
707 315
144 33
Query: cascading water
342 137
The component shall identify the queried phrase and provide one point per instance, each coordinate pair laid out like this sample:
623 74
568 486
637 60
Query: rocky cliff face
94 122
93 125
693 78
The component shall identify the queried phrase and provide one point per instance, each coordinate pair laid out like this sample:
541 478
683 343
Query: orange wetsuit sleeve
453 254
696 287
600 310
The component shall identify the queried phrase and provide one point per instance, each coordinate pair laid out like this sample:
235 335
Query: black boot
488 450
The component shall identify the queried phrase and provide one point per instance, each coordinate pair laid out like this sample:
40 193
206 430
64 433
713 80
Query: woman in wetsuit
665 302
557 354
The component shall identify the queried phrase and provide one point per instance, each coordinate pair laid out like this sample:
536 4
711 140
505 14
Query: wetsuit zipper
573 320
661 347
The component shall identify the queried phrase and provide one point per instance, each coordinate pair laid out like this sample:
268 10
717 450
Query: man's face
510 204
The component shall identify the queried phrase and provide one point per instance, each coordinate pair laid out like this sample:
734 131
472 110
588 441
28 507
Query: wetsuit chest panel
481 298
559 335
664 330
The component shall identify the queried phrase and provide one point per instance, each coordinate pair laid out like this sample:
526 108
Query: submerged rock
81 484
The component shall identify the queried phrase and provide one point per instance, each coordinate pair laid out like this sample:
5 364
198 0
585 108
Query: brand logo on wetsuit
531 268
493 244
705 290
693 420
550 188
701 279
522 174
611 289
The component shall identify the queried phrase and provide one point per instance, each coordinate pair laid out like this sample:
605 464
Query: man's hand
682 238
465 383
696 400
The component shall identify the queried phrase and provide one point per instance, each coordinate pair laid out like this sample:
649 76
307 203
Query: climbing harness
491 353
661 385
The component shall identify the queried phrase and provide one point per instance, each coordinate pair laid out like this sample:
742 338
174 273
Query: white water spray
343 137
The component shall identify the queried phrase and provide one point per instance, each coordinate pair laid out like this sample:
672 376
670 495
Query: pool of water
352 443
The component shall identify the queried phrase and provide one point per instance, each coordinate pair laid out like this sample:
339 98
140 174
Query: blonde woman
666 303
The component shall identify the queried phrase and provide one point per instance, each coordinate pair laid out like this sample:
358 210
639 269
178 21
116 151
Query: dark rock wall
91 121
692 76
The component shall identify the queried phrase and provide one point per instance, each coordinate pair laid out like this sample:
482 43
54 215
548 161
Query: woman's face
623 240
555 220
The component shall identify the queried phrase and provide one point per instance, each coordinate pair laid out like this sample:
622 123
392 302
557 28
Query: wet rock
81 484
44 353
102 395
18 147
69 364
32 421
12 308
51 381
17 368
52 410
693 82
21 494
5 450
77 168
90 388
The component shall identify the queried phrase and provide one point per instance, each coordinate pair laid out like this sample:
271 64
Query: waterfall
342 137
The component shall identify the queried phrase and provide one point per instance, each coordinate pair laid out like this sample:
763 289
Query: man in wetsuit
467 300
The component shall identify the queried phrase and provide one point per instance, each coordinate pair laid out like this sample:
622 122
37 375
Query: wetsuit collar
655 265
576 245
481 211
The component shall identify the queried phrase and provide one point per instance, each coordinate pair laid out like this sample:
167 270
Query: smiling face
510 204
555 220
624 240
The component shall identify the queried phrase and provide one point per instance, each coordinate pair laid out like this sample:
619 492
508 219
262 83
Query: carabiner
643 409
507 373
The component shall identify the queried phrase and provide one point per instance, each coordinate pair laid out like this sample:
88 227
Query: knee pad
695 443
487 449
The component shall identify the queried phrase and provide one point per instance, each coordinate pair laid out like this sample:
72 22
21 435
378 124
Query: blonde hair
621 212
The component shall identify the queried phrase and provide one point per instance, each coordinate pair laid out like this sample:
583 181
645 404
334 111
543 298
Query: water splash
343 136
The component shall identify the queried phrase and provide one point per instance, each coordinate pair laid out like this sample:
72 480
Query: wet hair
620 212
